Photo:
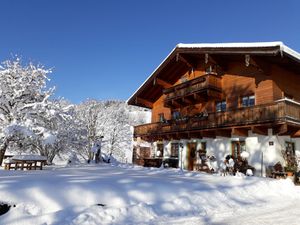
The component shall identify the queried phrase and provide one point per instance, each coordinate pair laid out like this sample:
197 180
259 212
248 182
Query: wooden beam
292 130
223 133
195 134
162 83
186 135
208 133
181 135
175 103
250 61
182 59
257 63
198 97
214 94
220 66
259 130
243 132
281 129
209 59
144 102
175 137
187 101
296 134
264 66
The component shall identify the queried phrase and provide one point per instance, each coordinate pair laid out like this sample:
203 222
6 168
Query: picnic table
29 162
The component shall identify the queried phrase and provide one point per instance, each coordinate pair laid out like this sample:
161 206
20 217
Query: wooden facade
222 90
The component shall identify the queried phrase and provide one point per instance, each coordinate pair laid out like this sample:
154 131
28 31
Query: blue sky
106 49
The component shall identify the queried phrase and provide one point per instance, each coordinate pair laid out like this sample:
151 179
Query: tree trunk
2 153
3 150
50 159
98 156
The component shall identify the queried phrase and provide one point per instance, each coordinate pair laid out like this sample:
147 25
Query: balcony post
181 151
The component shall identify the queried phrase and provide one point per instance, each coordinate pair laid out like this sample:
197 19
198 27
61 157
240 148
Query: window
202 152
176 115
161 117
160 150
248 101
174 150
221 106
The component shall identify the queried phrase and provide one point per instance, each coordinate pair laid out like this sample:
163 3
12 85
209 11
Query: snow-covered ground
135 195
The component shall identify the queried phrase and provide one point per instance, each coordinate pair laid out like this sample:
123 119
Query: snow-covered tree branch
22 89
32 121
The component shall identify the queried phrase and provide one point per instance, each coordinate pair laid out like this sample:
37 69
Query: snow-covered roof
29 157
230 45
279 46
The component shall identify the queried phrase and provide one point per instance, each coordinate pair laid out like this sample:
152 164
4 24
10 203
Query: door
290 147
191 155
290 156
237 147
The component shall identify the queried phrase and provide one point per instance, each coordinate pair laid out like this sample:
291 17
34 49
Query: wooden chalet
214 100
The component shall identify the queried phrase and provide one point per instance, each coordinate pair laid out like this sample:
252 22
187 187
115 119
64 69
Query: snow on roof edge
291 52
232 45
280 44
150 75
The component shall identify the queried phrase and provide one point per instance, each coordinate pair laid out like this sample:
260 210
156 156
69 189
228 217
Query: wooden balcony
263 116
194 91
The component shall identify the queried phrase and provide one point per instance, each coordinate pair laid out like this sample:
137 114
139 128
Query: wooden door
236 148
191 155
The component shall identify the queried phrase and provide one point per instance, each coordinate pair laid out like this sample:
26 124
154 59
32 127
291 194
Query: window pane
251 100
243 146
160 150
248 101
161 117
174 150
218 107
176 115
223 106
245 101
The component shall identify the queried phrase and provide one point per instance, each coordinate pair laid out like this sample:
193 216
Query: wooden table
29 162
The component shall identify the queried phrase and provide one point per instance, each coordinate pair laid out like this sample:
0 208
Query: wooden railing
280 111
209 81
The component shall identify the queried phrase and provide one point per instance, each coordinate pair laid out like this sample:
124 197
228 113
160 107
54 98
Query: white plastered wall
267 146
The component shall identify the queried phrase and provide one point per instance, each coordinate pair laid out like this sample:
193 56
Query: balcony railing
191 88
280 111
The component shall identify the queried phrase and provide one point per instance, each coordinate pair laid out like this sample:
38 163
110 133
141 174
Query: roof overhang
266 49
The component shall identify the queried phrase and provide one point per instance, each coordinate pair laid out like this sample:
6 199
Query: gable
185 58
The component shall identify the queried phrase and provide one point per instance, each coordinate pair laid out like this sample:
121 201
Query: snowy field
135 195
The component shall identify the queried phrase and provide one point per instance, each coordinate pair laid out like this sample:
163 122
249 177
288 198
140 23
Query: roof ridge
231 44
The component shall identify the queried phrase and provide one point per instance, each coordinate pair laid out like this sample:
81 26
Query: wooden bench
9 165
278 174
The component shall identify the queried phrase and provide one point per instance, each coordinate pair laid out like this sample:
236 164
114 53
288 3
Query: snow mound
136 195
